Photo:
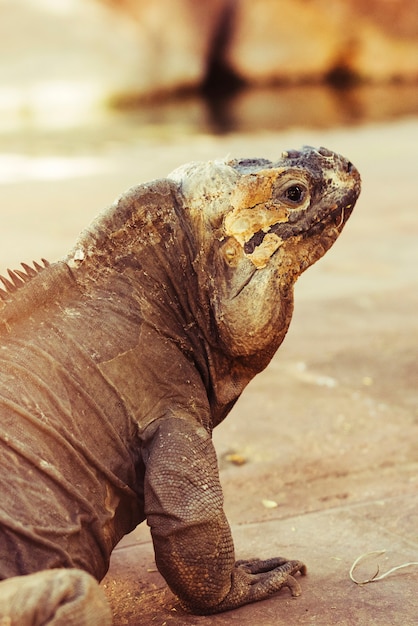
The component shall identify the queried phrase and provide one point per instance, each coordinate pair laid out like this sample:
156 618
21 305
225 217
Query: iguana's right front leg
192 540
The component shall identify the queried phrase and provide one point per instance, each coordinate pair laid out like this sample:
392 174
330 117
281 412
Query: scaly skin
192 540
117 362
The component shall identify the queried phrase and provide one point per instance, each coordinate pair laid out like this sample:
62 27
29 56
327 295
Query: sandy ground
327 436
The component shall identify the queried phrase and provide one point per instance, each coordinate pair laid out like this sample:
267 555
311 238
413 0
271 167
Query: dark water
254 111
280 108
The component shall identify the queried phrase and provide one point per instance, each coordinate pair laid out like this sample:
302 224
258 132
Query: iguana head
257 226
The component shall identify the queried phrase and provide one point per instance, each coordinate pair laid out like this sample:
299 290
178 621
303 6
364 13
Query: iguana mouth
307 226
286 231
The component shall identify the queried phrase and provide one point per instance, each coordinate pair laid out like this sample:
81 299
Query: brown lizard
117 362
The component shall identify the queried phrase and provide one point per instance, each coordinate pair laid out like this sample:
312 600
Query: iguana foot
273 569
255 580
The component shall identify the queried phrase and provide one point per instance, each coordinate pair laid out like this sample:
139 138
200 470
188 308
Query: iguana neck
143 218
142 249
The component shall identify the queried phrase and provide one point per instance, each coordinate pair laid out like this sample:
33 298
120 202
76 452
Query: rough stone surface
175 37
290 40
296 40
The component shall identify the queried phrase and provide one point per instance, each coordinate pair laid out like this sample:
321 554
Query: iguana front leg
192 540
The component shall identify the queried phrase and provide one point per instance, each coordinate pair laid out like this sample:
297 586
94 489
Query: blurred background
82 74
213 65
113 92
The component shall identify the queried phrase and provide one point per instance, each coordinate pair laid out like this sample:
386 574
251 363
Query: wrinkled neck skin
143 252
211 254
140 249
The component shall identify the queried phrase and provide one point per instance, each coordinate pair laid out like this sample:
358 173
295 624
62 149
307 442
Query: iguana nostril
325 152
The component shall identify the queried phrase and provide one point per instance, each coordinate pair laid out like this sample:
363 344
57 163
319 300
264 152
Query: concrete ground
319 459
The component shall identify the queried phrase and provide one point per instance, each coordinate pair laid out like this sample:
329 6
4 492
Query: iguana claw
276 572
258 579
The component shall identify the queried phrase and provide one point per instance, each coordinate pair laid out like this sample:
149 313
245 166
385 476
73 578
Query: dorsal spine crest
18 279
25 292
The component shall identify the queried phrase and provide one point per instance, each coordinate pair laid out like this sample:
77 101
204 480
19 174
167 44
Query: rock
176 39
58 57
67 54
297 40
288 40
384 39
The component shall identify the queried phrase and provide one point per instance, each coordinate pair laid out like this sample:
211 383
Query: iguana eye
295 194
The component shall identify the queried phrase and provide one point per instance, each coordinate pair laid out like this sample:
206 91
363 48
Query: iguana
118 361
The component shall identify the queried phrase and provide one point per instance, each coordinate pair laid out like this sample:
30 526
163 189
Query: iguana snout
304 194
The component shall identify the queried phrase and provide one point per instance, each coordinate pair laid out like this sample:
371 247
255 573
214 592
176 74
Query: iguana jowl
117 362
